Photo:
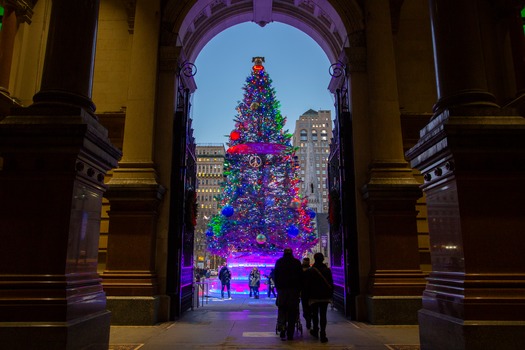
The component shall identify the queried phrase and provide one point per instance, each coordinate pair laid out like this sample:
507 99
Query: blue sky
295 62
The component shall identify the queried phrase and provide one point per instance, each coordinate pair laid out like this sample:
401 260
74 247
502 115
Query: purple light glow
257 148
240 265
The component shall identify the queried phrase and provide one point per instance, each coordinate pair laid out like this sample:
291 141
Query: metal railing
201 291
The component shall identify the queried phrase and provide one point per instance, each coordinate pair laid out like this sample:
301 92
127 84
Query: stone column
130 279
14 13
472 156
455 29
349 86
7 42
396 281
55 156
69 81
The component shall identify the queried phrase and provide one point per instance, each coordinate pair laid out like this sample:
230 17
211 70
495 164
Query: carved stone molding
168 58
356 52
23 8
130 10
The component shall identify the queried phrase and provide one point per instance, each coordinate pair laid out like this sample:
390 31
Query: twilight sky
299 70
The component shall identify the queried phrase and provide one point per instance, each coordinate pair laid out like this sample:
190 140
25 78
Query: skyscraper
210 161
313 131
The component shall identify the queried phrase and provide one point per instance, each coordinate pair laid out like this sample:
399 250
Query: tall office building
313 131
210 161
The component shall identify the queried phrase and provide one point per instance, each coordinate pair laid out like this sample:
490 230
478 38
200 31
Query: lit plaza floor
248 323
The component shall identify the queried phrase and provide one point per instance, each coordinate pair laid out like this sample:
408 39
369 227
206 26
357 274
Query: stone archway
338 27
182 41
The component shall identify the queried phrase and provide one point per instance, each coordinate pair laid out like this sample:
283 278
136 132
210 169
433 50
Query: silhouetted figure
307 312
320 288
288 281
225 277
255 282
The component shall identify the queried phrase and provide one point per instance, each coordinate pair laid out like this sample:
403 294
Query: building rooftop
310 112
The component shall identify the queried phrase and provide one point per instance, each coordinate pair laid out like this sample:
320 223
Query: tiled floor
246 323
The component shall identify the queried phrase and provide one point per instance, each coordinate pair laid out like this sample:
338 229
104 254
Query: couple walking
314 286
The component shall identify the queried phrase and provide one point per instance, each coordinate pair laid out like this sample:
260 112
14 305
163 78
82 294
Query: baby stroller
298 325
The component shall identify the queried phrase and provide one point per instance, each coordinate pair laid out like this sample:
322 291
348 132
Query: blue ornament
227 211
311 213
209 233
293 231
269 201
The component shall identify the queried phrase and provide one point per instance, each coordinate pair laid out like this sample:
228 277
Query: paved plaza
244 323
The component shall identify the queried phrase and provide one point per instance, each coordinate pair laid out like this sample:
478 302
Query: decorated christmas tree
260 209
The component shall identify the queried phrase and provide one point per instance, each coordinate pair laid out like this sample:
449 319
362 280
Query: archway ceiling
201 20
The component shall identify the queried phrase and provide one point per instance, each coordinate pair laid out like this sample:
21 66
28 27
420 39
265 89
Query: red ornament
257 67
235 135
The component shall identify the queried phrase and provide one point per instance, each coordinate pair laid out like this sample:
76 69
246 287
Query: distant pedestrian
271 283
320 288
255 282
225 277
307 312
288 281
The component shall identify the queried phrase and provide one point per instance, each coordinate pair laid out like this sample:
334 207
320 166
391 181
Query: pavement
247 323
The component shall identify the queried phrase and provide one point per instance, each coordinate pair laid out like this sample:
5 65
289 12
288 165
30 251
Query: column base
468 335
138 311
91 333
393 310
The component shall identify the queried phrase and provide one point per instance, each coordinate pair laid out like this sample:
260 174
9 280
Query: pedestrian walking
307 312
288 281
255 282
225 277
320 288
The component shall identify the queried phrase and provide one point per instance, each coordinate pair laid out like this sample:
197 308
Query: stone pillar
396 281
459 82
472 156
7 42
55 157
130 279
69 81
14 13
347 85
170 265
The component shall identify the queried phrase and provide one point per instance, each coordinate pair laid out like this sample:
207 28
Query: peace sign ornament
255 161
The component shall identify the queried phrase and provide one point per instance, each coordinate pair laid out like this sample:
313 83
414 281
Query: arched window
304 135
324 135
314 135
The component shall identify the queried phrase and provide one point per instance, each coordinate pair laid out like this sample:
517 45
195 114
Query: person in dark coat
320 288
307 313
271 283
255 282
225 277
288 282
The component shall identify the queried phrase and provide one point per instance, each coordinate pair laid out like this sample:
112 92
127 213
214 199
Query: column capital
356 53
22 8
169 58
130 10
